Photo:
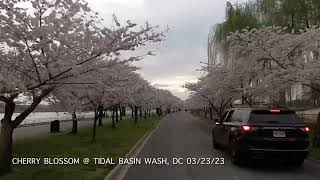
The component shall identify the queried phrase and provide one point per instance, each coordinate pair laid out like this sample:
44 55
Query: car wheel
214 142
235 154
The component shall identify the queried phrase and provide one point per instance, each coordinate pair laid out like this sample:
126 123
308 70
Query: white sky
179 57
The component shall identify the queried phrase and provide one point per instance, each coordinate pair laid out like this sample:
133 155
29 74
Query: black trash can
55 126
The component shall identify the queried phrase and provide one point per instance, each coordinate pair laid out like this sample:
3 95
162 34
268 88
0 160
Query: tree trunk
136 108
100 114
205 112
93 140
282 98
132 112
210 111
74 123
161 111
123 111
145 114
140 112
292 23
316 137
6 138
5 148
113 122
8 126
117 117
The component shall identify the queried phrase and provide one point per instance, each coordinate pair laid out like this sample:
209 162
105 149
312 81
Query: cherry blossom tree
72 98
196 103
137 98
166 101
277 60
261 64
219 89
107 90
53 43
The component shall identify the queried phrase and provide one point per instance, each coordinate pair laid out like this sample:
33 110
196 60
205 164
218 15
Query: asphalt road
184 136
32 131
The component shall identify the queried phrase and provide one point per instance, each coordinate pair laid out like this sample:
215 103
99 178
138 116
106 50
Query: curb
119 172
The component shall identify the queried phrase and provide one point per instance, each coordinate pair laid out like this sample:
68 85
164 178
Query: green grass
301 108
314 154
111 143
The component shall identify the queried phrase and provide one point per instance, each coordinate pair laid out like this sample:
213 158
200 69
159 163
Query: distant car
262 134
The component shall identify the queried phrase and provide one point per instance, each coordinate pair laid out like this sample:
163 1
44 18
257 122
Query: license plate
279 134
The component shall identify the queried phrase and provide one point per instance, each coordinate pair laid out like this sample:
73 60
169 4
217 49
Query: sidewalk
65 126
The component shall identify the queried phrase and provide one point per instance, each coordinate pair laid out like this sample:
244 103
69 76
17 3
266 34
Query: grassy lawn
110 144
314 154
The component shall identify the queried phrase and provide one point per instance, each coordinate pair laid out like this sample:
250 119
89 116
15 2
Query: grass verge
111 143
314 154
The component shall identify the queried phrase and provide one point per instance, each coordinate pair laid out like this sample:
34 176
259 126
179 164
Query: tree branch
3 99
32 58
30 109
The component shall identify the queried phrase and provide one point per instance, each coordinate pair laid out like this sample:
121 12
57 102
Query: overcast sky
179 57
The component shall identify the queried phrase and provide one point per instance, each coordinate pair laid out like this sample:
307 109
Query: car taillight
305 129
245 128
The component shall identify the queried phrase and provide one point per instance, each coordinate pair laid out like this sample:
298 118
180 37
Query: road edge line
119 172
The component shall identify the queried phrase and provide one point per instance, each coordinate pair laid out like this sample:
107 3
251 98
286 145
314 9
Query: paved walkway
32 131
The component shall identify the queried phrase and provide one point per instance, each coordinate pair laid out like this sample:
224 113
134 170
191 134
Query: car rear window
268 117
